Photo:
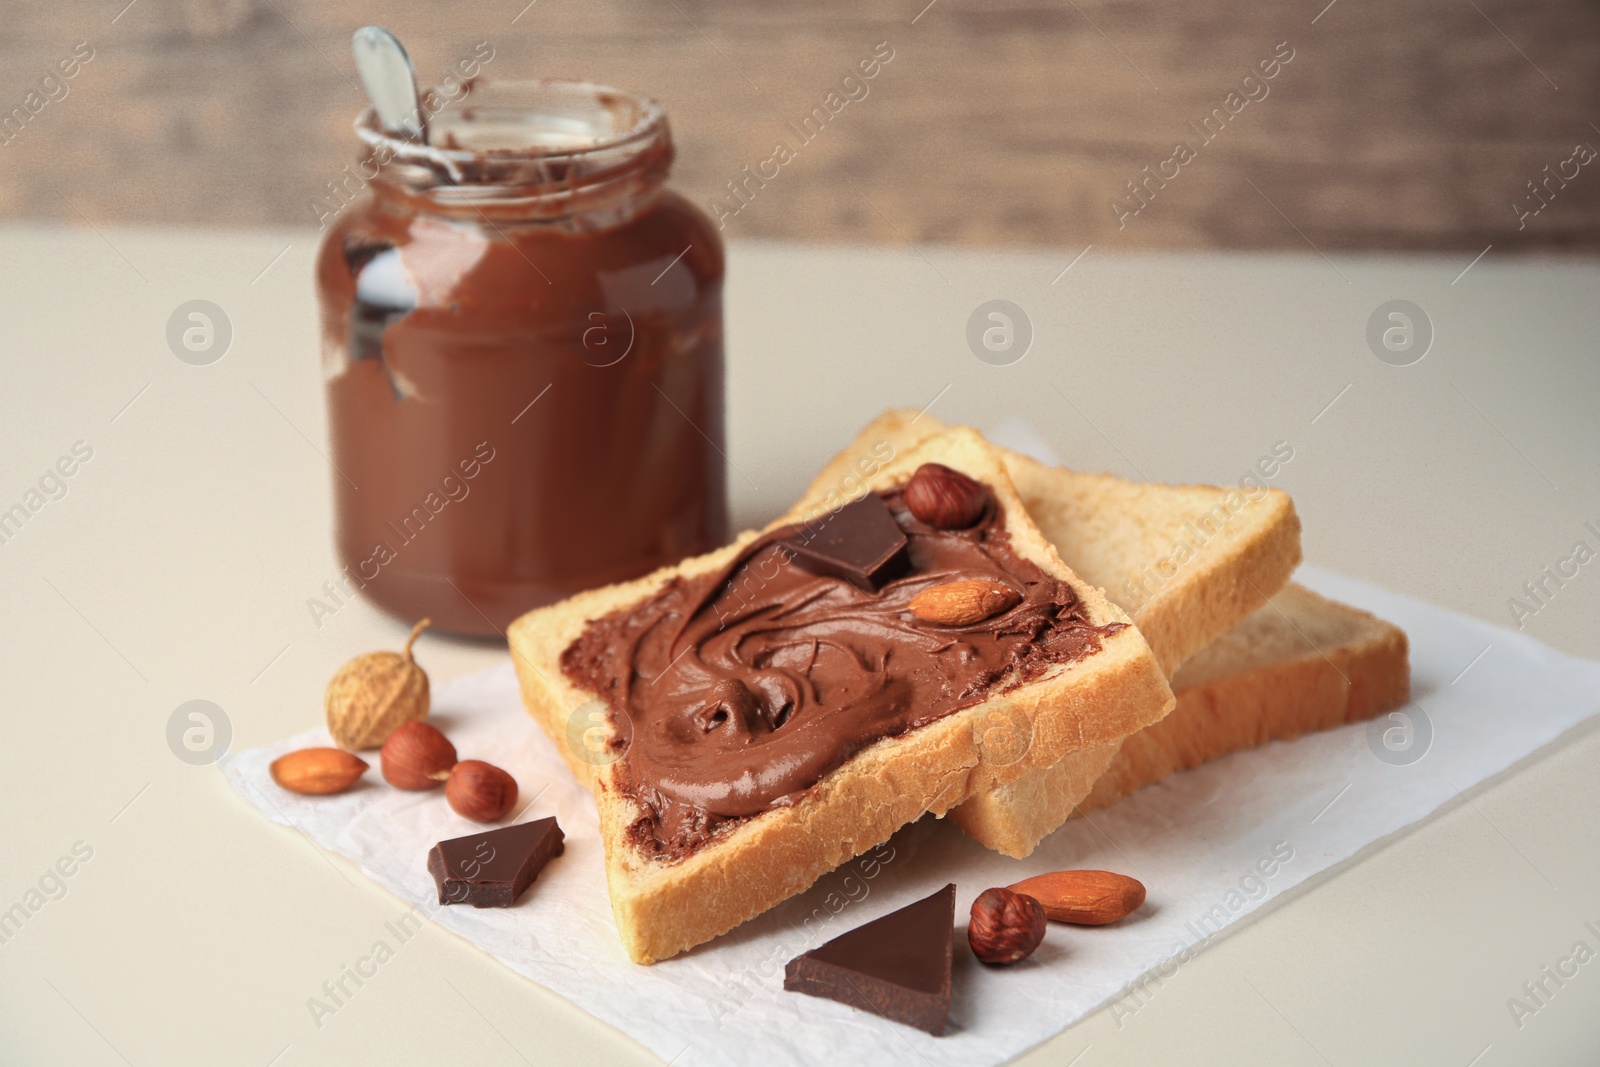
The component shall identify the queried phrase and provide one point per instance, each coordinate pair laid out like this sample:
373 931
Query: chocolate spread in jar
735 692
522 345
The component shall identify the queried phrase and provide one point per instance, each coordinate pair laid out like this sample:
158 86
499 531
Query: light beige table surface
179 562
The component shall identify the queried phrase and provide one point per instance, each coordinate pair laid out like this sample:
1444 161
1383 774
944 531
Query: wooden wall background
1407 124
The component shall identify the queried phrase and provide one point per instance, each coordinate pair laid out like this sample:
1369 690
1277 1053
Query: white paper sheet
1485 698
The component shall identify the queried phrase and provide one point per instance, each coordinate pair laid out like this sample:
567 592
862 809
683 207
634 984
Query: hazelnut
945 499
417 756
480 791
1005 927
317 771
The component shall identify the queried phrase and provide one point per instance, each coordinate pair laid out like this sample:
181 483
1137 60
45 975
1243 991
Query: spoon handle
391 81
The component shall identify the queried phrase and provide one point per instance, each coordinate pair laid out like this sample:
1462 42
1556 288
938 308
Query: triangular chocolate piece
491 869
897 966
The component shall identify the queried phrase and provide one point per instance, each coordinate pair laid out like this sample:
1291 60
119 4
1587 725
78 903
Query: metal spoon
391 82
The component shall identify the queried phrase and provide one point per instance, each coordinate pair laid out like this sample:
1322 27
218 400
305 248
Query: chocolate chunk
860 543
897 966
491 869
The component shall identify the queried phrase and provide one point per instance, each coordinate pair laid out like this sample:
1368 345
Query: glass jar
522 346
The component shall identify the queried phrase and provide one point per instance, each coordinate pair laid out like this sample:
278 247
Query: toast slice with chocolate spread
752 718
1187 563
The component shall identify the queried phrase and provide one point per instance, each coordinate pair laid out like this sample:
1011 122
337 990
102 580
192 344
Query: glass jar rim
564 120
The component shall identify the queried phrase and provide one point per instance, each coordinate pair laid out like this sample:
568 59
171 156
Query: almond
1088 898
965 602
318 771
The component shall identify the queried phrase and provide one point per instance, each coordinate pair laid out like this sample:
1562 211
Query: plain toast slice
1300 664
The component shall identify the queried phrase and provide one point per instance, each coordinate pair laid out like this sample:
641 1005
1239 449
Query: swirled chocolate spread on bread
736 691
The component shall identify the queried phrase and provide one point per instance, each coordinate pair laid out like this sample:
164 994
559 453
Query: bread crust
664 907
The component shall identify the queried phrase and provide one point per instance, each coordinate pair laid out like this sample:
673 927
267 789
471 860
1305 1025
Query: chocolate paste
735 692
524 369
